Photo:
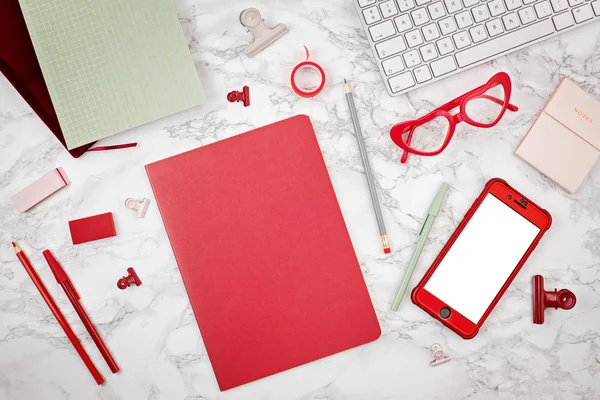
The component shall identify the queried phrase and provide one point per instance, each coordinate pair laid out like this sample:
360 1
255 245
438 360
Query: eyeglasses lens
486 108
430 136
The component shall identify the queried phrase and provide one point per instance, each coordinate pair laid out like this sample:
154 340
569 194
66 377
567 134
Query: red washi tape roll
308 86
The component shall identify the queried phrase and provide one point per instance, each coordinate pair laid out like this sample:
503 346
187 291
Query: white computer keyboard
417 42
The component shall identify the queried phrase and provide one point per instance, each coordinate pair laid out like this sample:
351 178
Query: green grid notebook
111 65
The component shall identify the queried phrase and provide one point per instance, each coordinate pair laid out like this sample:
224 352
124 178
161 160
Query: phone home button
445 312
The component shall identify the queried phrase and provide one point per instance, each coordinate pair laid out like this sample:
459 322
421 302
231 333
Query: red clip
543 299
244 96
129 280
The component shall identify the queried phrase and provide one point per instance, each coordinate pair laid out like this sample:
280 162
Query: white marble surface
151 329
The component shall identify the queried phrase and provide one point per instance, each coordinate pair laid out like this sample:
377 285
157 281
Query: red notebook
263 251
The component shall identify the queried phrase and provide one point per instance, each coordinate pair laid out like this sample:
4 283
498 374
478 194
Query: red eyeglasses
483 107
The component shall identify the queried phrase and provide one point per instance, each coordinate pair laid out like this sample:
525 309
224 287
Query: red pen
62 321
64 281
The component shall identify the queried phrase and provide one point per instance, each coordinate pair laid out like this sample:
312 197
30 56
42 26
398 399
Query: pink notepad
40 190
564 141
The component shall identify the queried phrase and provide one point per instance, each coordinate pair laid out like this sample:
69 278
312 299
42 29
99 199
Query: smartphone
481 259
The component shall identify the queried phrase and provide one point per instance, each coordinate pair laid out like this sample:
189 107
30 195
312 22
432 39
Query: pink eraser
92 228
41 189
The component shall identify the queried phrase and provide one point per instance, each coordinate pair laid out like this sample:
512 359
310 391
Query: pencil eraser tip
387 251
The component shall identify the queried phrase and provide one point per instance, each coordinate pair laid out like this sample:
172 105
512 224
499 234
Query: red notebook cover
20 66
263 251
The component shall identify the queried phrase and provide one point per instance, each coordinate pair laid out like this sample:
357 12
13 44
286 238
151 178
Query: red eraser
92 228
387 250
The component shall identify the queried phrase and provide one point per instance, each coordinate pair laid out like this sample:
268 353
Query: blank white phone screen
482 258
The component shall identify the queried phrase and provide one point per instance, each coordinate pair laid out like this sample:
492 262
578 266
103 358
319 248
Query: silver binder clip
263 36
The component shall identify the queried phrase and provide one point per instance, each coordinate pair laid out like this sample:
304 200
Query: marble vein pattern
151 329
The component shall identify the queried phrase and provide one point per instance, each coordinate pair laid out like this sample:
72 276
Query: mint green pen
434 210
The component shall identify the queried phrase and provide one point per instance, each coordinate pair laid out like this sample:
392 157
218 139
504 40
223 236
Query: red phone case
430 304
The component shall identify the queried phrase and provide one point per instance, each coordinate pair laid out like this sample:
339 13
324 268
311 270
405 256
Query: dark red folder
19 64
264 252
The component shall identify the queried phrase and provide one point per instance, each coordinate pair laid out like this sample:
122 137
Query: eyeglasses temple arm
496 100
407 141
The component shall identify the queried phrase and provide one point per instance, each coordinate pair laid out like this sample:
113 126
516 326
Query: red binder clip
542 299
129 280
244 96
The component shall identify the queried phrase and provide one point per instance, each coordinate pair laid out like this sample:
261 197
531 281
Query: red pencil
64 281
58 314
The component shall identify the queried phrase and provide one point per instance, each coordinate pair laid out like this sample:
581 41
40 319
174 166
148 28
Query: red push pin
542 299
129 280
244 96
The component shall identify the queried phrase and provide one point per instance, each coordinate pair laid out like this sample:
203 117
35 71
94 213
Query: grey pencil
365 159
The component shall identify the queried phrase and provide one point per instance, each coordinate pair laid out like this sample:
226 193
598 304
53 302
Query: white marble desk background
151 330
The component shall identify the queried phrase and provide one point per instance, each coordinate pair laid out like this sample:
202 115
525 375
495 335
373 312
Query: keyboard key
563 21
403 23
453 5
393 65
496 7
469 3
382 31
401 82
445 46
504 43
527 15
371 15
448 25
431 32
422 73
411 58
406 5
478 33
513 4
461 40
574 3
428 52
583 13
388 9
464 19
559 5
443 66
596 7
390 47
494 27
414 38
481 13
364 3
511 21
542 9
420 16
436 10
423 2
